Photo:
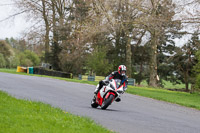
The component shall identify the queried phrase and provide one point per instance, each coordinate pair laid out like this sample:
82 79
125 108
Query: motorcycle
107 94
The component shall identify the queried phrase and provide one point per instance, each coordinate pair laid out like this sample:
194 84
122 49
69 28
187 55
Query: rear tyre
107 102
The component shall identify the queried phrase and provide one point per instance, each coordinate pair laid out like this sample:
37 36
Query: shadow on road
98 108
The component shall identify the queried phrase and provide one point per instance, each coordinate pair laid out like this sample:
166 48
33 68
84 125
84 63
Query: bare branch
14 15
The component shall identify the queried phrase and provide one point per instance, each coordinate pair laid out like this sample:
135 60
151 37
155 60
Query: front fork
109 93
100 100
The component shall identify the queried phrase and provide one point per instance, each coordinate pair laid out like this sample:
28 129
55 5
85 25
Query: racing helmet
122 70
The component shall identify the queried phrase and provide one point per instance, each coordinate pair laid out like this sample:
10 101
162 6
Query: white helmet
122 70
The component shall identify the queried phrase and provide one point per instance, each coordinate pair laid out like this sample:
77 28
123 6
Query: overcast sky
12 27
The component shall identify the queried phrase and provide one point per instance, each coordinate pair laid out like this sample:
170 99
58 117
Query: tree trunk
128 58
61 24
47 31
140 73
187 86
47 44
54 22
153 61
55 46
186 81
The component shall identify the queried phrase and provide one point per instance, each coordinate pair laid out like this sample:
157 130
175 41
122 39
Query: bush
5 49
32 57
7 54
2 61
197 83
28 58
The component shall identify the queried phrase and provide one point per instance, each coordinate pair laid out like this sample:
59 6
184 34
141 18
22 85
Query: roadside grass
181 98
167 85
22 116
97 78
13 71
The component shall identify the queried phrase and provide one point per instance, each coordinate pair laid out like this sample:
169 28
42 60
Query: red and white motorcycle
107 94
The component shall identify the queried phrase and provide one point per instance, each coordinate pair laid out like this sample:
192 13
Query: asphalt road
134 114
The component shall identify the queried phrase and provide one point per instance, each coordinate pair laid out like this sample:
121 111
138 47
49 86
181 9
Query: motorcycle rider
120 74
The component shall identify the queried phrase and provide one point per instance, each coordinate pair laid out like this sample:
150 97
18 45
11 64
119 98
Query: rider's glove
105 82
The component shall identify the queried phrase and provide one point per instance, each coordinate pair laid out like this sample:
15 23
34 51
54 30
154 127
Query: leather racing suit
113 75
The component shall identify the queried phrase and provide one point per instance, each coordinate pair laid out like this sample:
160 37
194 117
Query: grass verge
21 116
167 84
181 98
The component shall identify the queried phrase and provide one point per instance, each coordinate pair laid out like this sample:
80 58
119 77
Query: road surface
134 114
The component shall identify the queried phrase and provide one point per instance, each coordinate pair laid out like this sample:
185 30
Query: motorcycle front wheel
107 102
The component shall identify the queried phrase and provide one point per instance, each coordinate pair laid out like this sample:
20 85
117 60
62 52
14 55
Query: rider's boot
118 99
96 90
95 93
94 98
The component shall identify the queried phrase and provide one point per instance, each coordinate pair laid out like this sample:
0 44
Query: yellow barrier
21 69
18 68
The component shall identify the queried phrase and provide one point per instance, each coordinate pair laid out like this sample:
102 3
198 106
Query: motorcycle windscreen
118 82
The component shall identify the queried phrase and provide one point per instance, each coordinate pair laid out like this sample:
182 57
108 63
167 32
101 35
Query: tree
69 31
55 49
98 63
47 28
74 40
166 49
184 60
38 11
157 19
141 59
119 18
197 71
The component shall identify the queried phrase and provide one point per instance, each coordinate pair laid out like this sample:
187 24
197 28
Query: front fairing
114 85
104 90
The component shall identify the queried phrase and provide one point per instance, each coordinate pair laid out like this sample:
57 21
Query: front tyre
107 101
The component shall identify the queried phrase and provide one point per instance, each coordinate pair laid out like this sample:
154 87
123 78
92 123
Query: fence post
131 81
80 77
91 78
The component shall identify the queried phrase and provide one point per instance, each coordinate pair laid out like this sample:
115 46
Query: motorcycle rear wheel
107 102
